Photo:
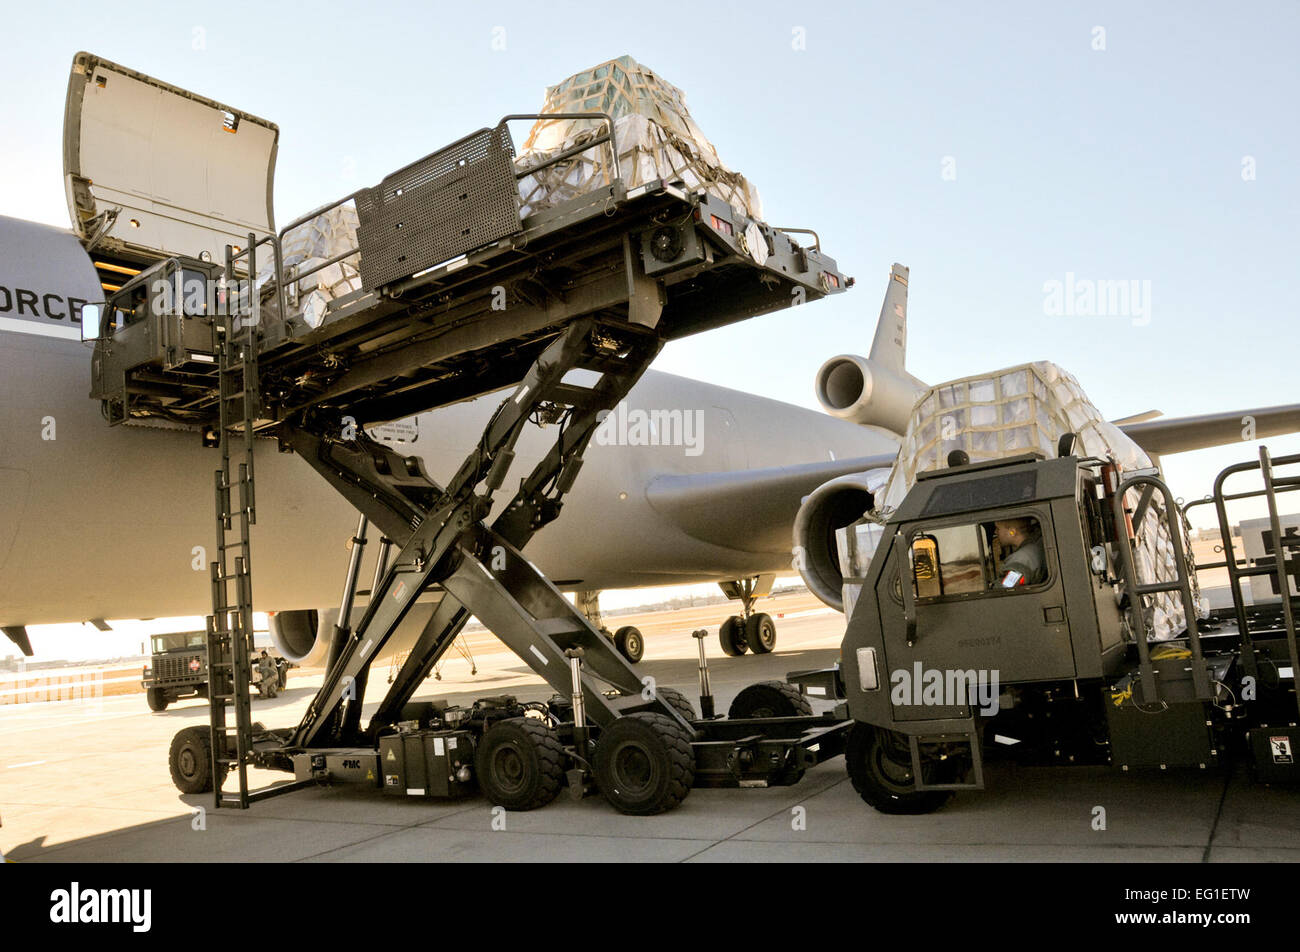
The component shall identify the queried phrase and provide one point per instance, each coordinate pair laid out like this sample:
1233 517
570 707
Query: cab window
979 558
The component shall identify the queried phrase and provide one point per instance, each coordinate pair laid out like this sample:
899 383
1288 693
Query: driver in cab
1024 562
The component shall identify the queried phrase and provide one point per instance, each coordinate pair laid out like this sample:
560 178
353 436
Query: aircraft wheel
156 699
732 635
520 764
880 767
629 643
644 763
760 633
190 760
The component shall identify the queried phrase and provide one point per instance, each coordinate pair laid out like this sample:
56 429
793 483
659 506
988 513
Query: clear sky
992 148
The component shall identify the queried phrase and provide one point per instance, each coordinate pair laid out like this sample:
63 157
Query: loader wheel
190 760
156 698
678 701
644 763
770 699
520 763
880 767
773 699
732 636
760 633
629 643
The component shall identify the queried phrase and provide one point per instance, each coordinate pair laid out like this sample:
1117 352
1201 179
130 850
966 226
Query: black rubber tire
769 699
879 773
156 698
773 699
630 643
190 761
644 764
284 676
760 633
678 701
519 763
731 633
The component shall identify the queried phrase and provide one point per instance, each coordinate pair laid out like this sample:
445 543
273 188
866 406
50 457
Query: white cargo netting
656 137
1025 409
318 239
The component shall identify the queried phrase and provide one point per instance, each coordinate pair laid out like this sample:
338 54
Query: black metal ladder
230 626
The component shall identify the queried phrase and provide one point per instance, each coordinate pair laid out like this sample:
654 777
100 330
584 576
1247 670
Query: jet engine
865 391
832 506
303 635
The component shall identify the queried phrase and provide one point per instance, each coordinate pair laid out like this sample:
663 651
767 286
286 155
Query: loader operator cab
157 327
987 567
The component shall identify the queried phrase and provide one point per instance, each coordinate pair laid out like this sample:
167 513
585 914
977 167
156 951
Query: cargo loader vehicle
955 654
593 287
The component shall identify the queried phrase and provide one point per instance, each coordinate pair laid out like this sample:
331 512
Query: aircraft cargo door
153 170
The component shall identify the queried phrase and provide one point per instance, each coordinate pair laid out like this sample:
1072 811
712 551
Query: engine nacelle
866 392
303 635
832 506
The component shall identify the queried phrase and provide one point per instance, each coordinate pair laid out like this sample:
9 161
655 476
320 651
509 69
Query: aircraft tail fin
889 347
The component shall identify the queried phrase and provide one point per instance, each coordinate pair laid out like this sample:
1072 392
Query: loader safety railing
1271 565
1147 483
296 274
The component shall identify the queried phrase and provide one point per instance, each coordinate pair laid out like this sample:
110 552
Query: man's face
1010 534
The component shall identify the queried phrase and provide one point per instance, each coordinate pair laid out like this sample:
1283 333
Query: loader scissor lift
461 297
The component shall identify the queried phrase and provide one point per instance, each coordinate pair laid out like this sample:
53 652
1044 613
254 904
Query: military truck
179 669
961 648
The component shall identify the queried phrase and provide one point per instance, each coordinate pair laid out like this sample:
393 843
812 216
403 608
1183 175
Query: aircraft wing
756 506
1181 434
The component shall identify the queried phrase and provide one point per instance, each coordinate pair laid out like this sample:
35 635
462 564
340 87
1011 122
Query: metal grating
453 201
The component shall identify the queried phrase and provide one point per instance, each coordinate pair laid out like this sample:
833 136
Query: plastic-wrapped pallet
654 131
1021 410
318 239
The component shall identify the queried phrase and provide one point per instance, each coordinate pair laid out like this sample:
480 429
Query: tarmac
87 782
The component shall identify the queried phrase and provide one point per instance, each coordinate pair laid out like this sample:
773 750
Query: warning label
1281 748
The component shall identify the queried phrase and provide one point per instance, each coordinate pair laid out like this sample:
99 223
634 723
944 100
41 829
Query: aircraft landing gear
749 631
628 640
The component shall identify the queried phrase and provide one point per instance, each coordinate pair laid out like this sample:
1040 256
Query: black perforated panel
448 203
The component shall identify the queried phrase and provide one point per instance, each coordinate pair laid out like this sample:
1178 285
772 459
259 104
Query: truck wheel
520 763
629 643
678 701
732 635
644 763
770 699
190 760
284 677
156 698
773 699
880 767
760 633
